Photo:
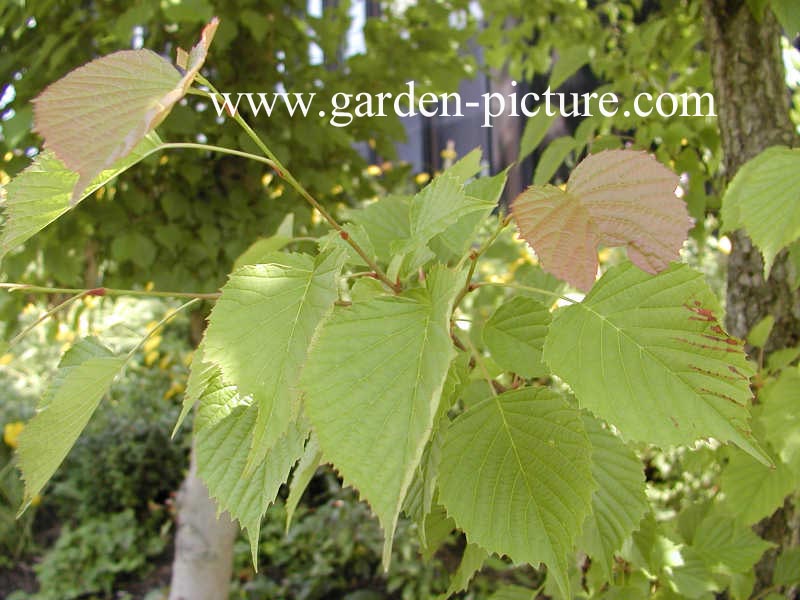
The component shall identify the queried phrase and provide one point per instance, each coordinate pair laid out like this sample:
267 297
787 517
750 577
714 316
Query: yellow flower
64 334
6 358
422 178
149 286
174 389
337 189
165 361
151 344
90 301
449 154
4 178
11 433
150 358
374 170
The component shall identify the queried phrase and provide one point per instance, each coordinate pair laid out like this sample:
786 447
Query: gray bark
203 560
753 107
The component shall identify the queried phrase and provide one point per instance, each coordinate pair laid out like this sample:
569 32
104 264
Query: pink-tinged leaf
97 114
614 198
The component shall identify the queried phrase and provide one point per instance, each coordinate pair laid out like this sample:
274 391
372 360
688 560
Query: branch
104 291
284 174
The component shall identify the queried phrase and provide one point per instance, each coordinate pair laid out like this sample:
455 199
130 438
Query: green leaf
742 585
262 249
727 546
190 11
437 526
200 374
760 332
619 502
471 562
309 462
753 491
647 354
260 329
534 276
692 578
84 375
514 592
757 8
41 193
372 387
222 447
787 567
515 475
386 222
780 414
455 241
515 336
763 198
216 401
366 288
536 128
420 503
98 113
466 167
793 261
780 359
135 247
788 13
552 157
570 59
650 548
438 206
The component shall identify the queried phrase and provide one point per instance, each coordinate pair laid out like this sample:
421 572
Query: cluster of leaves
195 215
333 550
626 48
90 558
352 355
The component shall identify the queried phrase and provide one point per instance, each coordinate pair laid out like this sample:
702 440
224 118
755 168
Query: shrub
92 557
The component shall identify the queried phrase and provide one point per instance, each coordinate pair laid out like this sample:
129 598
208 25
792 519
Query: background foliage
694 540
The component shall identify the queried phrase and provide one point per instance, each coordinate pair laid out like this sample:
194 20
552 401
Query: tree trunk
753 105
201 569
203 561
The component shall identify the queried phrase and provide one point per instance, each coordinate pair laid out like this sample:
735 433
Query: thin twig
524 288
168 317
46 316
104 291
284 174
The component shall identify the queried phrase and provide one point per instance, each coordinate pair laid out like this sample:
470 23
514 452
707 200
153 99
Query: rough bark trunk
201 568
753 109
